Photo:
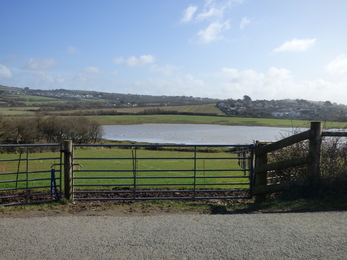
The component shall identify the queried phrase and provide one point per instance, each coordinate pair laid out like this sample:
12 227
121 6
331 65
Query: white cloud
71 50
180 85
133 61
213 32
338 66
258 85
165 70
115 73
244 22
241 80
276 83
296 45
44 79
92 70
188 14
40 64
5 72
279 73
213 11
86 80
216 9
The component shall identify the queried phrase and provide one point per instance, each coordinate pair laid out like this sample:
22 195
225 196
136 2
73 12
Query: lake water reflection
194 133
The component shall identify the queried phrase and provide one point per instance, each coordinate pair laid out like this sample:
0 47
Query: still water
194 133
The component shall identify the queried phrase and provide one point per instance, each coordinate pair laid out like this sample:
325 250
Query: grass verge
156 207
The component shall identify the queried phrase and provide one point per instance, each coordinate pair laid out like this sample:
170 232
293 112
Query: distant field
208 109
34 99
190 119
133 118
40 101
18 110
199 109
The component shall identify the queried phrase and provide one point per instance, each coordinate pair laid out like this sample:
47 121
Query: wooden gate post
68 169
260 177
315 147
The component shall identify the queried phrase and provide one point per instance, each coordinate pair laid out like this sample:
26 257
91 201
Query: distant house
293 114
277 114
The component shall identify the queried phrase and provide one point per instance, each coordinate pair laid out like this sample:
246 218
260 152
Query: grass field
205 115
198 109
116 167
163 168
191 119
32 173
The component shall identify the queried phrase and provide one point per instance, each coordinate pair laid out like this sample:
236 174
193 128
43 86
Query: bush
51 130
333 167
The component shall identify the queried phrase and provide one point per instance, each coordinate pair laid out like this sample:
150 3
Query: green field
10 111
175 166
34 172
37 100
217 120
116 167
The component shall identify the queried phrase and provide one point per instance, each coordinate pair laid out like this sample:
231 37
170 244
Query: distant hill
16 101
19 101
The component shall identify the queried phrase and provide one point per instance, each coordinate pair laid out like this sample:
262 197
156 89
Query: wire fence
30 173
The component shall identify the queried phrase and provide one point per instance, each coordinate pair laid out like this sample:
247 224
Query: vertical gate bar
251 173
61 170
134 171
244 155
194 172
27 176
203 166
18 168
72 171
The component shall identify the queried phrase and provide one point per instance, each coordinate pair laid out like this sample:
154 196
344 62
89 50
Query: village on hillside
287 108
246 107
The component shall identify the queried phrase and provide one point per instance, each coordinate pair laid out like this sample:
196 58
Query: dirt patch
124 193
119 202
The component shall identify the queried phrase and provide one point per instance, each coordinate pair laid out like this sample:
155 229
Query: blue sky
268 49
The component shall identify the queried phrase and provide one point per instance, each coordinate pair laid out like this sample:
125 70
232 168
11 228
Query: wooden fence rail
314 136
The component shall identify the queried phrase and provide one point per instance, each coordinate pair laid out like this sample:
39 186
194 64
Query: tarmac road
177 236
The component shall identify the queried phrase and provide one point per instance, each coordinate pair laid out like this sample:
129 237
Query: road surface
177 236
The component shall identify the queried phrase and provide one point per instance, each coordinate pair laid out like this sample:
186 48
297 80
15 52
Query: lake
195 133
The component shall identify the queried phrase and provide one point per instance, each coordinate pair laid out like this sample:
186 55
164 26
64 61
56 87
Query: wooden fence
262 167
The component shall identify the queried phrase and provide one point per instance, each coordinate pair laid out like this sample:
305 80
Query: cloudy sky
268 49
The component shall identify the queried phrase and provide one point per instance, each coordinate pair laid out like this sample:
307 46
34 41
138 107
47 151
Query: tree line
49 130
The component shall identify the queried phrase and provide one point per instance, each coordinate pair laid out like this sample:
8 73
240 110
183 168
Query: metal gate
146 172
30 173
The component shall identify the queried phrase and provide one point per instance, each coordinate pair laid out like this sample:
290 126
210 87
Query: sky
268 49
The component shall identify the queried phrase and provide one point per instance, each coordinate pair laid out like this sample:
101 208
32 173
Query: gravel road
177 236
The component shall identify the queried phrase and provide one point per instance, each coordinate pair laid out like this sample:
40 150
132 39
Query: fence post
261 177
68 169
315 147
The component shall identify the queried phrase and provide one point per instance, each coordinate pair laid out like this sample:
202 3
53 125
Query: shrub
333 168
51 129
